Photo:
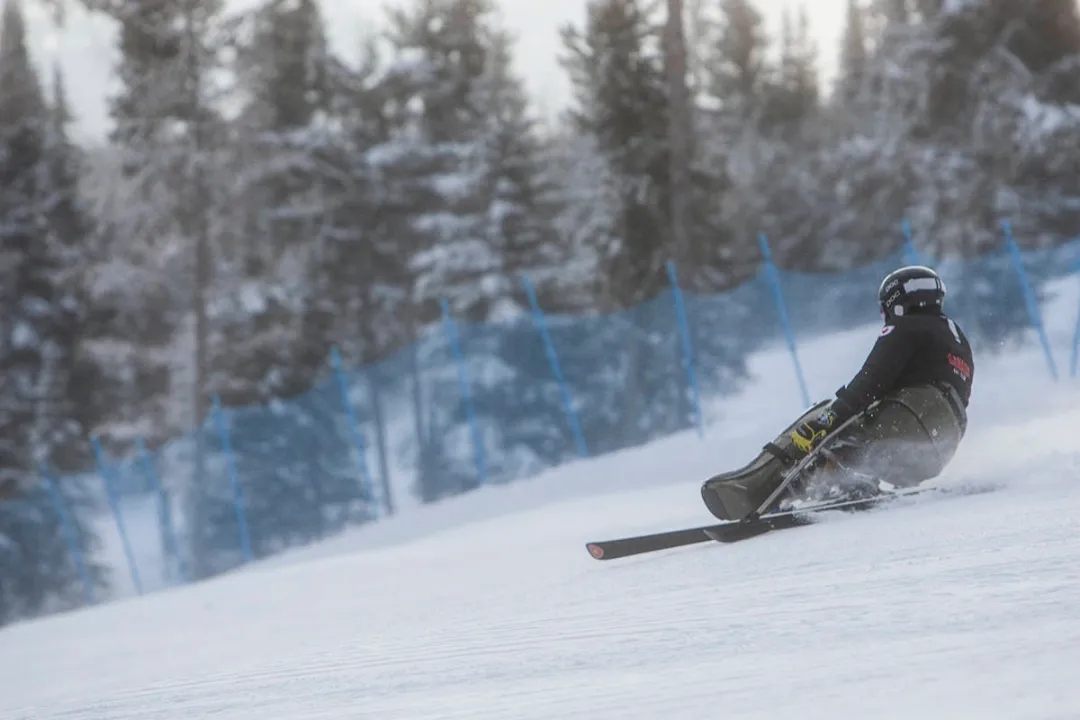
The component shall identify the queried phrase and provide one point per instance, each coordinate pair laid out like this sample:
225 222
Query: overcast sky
85 47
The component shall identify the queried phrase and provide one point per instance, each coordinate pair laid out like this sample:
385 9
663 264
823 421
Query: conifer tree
621 101
739 67
170 213
461 164
853 55
293 449
621 105
42 425
795 92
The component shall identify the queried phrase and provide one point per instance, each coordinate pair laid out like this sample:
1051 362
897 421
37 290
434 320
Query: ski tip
595 550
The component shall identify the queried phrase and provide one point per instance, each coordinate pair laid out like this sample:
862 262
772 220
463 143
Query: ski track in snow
959 607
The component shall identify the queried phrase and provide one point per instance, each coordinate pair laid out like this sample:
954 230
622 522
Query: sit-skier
907 406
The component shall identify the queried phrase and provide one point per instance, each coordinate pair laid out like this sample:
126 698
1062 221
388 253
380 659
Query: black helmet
910 288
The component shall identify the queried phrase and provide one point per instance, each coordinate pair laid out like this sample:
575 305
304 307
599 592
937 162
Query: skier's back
907 405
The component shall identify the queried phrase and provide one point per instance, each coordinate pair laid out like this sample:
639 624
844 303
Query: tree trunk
679 132
198 223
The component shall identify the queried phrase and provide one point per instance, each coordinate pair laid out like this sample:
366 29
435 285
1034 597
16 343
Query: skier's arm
887 359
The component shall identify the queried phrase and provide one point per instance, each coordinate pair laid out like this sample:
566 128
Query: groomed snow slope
489 606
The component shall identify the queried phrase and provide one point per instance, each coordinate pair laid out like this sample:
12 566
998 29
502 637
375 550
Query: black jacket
916 349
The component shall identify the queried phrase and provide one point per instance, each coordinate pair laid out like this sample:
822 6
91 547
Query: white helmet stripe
916 284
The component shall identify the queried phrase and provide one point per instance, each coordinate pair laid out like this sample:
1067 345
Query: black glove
808 434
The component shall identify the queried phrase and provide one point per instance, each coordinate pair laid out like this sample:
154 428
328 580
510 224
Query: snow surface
488 605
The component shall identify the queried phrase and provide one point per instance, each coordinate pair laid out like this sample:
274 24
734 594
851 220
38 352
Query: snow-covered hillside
488 606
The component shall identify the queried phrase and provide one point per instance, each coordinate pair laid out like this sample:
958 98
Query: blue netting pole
234 479
354 429
556 369
67 526
909 244
1076 331
114 503
785 322
1029 296
172 547
687 346
466 395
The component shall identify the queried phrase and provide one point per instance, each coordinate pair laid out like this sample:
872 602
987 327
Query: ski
639 544
735 531
654 542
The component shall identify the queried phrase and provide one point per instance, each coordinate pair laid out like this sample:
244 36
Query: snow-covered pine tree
792 135
762 124
796 206
620 99
796 92
463 157
72 227
392 166
735 102
170 212
864 175
632 386
139 259
450 42
1003 102
851 72
42 422
360 281
739 67
521 195
519 396
733 156
292 445
429 203
939 130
